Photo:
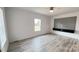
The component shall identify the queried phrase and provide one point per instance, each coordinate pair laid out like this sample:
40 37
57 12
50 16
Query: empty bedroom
39 29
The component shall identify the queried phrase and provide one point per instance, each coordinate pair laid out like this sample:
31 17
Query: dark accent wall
66 24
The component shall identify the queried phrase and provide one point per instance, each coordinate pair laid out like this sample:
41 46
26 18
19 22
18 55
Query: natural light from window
37 25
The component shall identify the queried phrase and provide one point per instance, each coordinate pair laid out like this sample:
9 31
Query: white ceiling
57 10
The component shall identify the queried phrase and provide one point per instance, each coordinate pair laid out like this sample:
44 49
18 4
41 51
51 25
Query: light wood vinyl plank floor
46 43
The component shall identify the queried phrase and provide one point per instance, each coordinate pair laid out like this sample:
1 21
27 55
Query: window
37 25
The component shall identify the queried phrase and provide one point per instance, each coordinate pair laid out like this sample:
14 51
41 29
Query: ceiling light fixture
51 9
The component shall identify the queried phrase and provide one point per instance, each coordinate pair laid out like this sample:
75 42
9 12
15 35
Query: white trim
71 35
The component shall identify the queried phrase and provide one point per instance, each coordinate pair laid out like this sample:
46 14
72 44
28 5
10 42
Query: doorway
3 36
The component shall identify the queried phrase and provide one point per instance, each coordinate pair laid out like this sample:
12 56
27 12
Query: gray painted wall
21 23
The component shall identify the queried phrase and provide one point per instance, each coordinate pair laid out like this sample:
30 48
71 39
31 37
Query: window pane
37 23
